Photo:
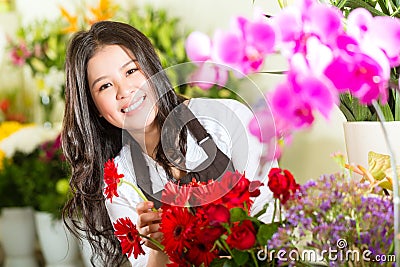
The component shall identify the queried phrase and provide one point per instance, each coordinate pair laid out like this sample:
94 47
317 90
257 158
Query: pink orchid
209 74
245 47
367 30
198 46
360 74
296 99
297 23
263 126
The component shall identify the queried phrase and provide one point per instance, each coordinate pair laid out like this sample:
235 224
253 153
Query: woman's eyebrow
123 66
97 80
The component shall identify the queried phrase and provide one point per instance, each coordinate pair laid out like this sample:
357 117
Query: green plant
38 179
349 105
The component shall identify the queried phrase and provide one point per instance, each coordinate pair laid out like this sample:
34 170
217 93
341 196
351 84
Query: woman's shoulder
217 106
122 160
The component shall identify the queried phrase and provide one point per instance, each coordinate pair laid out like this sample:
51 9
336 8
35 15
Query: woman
120 104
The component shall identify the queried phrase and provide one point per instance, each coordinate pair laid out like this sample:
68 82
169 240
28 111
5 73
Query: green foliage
36 179
167 38
47 43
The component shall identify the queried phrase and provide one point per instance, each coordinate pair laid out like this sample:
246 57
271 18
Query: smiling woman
119 89
120 104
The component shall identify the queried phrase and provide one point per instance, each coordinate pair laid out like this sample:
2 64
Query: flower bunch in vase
335 221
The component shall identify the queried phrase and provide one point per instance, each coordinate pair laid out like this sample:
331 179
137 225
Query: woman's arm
157 259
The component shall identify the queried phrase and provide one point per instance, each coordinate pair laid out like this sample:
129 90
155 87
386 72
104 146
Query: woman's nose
124 90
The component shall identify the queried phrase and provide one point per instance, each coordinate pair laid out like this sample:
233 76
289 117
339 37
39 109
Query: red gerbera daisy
176 224
128 236
201 253
112 179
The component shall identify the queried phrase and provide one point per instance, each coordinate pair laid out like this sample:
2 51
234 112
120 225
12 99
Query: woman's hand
148 223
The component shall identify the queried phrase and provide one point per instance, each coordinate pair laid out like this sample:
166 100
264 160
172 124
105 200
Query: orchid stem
137 189
396 198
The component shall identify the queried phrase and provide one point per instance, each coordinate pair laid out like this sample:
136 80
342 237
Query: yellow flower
9 127
2 157
72 20
104 11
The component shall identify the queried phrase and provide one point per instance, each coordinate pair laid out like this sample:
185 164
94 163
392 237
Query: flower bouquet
206 224
33 173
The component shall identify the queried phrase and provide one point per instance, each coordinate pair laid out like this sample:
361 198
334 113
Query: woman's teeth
134 105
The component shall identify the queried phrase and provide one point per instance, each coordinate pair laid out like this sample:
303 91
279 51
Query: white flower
27 139
54 79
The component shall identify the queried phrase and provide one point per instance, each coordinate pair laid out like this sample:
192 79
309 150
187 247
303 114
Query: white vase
58 246
17 229
363 137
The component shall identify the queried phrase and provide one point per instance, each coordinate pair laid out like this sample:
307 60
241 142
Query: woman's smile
135 105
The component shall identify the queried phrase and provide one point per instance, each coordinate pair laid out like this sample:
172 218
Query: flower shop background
314 145
307 157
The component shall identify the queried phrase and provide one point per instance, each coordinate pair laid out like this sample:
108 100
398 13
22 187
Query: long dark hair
88 140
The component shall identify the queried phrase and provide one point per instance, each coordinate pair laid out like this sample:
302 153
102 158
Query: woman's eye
131 71
105 86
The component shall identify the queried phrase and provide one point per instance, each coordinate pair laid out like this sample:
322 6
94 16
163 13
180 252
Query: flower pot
59 247
363 137
17 229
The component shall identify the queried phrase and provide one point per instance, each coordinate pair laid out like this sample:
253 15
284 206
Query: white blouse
226 120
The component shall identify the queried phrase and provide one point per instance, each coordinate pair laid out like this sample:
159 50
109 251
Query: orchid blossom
326 54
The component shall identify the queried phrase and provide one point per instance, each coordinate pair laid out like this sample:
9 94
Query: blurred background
33 36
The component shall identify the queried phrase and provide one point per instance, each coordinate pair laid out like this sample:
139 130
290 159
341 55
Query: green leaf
383 7
238 214
353 4
387 112
265 232
37 65
219 262
396 105
230 263
240 257
378 164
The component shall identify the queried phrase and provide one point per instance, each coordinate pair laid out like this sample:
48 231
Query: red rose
217 214
237 186
243 236
282 184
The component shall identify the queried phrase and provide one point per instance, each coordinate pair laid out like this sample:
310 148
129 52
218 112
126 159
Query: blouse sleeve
125 206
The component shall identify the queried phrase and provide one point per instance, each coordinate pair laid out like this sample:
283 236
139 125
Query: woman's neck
148 139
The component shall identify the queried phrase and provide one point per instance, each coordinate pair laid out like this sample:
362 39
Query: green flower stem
152 240
137 189
254 258
273 215
396 197
225 245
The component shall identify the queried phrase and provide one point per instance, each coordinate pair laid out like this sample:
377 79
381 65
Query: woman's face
119 89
